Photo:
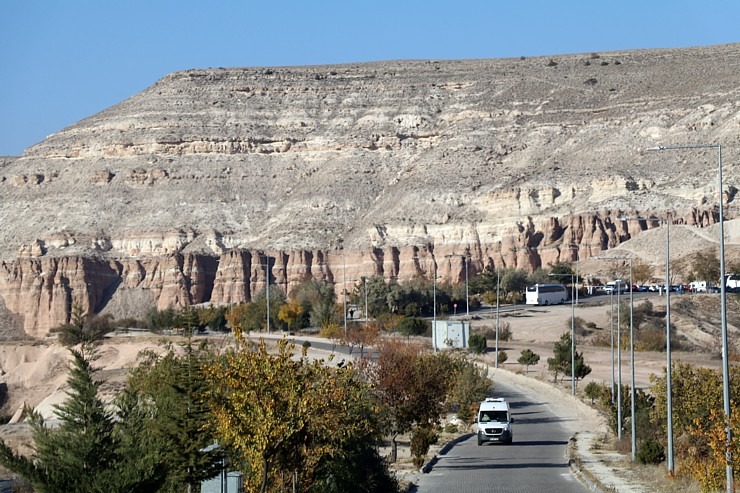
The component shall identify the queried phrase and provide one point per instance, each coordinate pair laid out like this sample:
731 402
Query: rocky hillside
193 189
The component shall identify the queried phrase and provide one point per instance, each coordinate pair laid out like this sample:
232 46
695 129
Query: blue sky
63 60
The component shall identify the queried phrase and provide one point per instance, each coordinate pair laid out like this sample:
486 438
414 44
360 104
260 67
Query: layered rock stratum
195 189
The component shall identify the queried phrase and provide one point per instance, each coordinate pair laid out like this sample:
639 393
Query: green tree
539 276
83 329
642 272
277 300
85 452
187 319
594 391
171 388
471 384
705 266
528 358
213 317
254 316
318 300
377 296
158 320
562 270
561 362
411 326
411 297
513 281
485 282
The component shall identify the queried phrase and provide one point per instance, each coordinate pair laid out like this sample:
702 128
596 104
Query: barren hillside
193 189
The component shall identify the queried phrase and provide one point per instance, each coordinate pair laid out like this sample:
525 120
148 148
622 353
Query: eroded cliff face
182 193
42 289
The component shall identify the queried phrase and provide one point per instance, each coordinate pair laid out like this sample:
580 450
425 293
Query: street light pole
632 364
618 287
467 294
611 325
632 357
467 298
669 363
498 285
365 279
723 308
434 302
619 361
669 391
266 265
344 291
572 334
578 257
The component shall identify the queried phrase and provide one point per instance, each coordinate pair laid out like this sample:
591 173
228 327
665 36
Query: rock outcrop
184 192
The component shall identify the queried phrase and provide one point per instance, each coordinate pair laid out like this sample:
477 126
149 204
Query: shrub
158 320
594 391
421 439
650 452
129 323
411 309
451 428
388 321
504 332
502 357
650 340
477 343
515 298
331 331
411 326
466 413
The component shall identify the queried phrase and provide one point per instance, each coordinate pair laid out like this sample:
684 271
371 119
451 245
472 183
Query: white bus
546 294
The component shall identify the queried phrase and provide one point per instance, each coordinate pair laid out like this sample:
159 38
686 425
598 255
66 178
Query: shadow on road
550 419
521 404
538 443
468 466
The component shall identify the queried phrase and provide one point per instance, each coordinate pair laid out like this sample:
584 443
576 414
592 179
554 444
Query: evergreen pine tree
82 453
561 361
173 388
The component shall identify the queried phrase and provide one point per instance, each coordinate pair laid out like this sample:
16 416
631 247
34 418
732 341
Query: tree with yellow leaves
282 417
290 313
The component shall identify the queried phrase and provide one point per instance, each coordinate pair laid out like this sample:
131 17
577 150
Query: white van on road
617 287
494 421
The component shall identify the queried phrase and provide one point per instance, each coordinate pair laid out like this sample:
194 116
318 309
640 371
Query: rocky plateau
203 185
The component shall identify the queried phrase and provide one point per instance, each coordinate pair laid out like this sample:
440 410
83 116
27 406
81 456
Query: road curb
582 475
446 448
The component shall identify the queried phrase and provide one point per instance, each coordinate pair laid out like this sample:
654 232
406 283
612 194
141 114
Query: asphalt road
535 462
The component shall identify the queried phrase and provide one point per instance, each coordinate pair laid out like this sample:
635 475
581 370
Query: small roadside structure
450 334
